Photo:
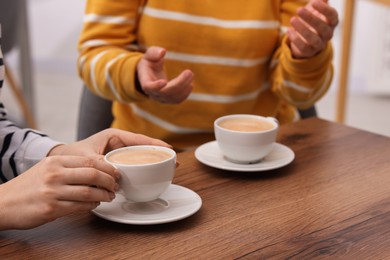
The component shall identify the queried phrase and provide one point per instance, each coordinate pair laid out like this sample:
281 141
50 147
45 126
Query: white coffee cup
244 138
146 170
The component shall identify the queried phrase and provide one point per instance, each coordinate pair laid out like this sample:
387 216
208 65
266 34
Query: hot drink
146 170
138 156
246 124
245 138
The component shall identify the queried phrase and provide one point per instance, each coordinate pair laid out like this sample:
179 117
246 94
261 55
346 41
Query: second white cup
244 138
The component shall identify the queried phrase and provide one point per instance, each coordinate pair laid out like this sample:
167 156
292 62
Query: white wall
55 26
367 37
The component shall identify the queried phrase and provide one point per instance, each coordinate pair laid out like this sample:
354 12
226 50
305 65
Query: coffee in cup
138 156
146 170
243 124
244 138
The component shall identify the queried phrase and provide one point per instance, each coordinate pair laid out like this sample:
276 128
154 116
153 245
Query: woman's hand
77 180
312 28
103 142
154 83
55 187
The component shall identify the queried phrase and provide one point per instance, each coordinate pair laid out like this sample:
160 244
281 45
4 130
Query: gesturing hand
312 28
154 82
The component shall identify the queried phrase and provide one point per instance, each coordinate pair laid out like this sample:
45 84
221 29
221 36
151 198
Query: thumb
154 54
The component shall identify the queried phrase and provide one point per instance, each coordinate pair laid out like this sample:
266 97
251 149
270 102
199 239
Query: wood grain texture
332 201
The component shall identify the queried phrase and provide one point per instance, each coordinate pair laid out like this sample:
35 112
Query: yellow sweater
237 50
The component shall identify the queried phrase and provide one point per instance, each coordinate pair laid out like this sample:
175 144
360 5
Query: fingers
110 139
312 28
152 86
319 29
330 14
82 193
154 82
90 181
90 177
94 163
178 89
171 92
90 172
64 171
299 47
150 70
118 138
154 54
307 39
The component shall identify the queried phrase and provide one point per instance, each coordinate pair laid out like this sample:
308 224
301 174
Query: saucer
174 204
210 154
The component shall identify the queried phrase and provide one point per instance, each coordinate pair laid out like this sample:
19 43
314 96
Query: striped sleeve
109 47
20 148
300 82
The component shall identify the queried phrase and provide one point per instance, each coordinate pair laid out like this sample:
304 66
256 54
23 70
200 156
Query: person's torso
228 46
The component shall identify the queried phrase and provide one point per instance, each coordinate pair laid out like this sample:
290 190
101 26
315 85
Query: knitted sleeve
300 82
108 49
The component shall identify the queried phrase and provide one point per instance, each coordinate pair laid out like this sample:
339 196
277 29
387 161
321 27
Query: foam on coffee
138 156
246 124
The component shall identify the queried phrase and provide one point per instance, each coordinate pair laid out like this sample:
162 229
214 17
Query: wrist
138 85
56 150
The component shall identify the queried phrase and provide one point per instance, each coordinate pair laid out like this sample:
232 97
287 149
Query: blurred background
54 27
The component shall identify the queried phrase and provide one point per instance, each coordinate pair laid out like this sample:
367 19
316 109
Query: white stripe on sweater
320 91
98 43
204 20
108 77
94 61
95 18
297 87
207 59
224 99
94 43
164 124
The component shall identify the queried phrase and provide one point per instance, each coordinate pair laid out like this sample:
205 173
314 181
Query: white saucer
210 154
176 203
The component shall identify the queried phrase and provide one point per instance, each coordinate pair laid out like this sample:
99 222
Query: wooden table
332 201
